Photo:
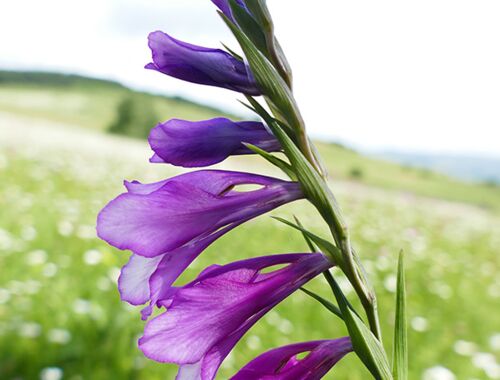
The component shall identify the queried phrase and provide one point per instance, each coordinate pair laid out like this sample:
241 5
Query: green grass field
59 306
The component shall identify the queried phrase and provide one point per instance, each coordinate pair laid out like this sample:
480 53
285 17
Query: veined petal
204 143
207 317
282 363
200 65
157 218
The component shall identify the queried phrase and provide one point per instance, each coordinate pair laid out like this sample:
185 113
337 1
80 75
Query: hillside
59 306
91 103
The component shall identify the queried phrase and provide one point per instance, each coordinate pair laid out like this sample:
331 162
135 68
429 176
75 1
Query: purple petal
157 218
282 363
173 264
200 65
204 143
208 316
133 282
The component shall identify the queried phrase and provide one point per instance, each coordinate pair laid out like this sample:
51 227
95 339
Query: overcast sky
414 75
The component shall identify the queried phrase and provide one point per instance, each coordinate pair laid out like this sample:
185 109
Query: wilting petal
207 317
196 64
282 363
157 218
204 143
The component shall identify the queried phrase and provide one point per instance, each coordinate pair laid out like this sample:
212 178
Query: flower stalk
168 224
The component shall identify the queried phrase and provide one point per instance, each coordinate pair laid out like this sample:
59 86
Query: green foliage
85 102
49 202
400 356
135 117
356 173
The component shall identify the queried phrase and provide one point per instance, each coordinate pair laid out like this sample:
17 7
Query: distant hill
89 102
31 78
468 168
80 102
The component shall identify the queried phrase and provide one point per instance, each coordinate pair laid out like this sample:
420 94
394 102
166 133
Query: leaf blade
400 354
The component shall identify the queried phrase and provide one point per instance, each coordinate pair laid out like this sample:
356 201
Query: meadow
60 313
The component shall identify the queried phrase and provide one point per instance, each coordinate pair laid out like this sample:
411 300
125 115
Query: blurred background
402 99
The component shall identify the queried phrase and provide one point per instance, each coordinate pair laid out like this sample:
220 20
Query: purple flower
200 65
157 218
145 279
206 318
204 143
282 363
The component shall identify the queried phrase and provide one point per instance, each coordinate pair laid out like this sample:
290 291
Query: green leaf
324 245
309 242
256 107
327 304
400 355
284 166
232 52
269 80
366 345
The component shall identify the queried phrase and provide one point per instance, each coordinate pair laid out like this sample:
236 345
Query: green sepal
366 345
327 304
400 354
278 162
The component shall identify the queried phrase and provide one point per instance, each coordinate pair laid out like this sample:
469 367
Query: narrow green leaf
327 304
284 166
400 355
309 242
262 112
232 52
324 245
269 80
365 344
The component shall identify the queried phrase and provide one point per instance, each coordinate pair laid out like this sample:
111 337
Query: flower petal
157 218
198 64
282 363
204 143
223 302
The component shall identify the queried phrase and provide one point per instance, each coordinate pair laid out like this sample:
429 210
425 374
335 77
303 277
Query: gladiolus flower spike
168 224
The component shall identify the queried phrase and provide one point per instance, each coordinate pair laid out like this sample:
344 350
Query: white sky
414 75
